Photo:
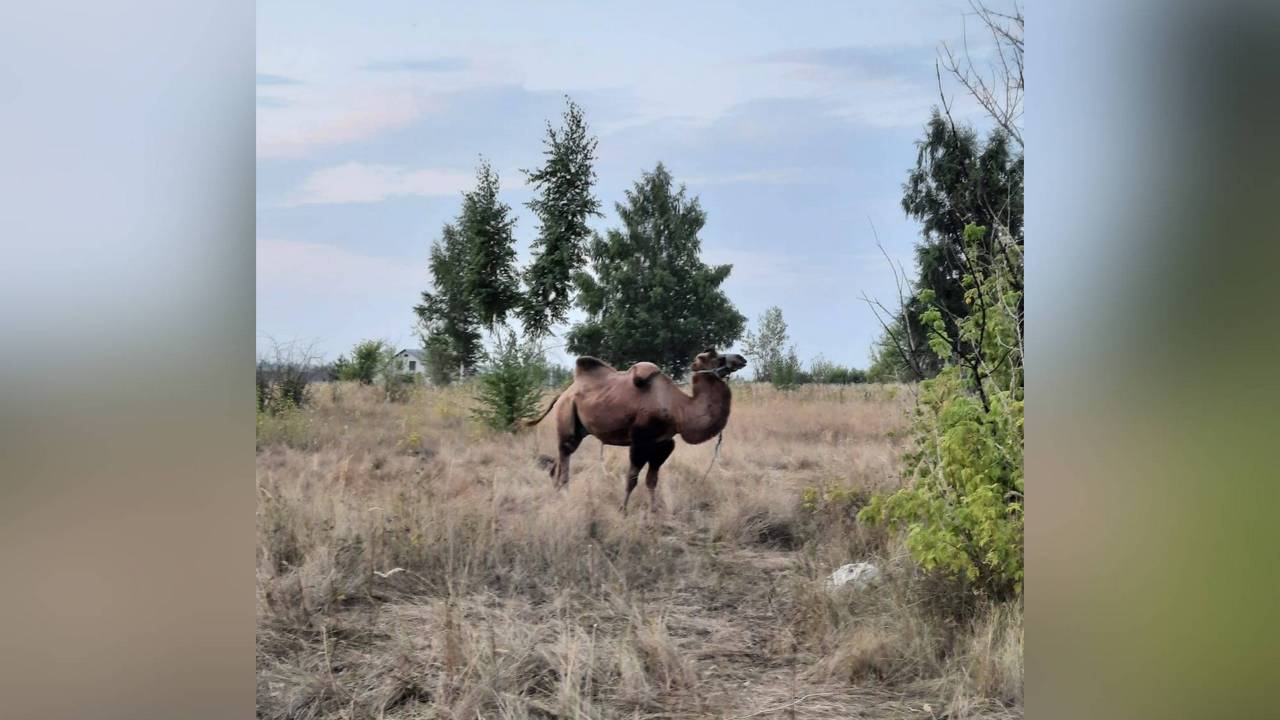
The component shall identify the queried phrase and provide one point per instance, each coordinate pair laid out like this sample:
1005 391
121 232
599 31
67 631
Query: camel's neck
705 414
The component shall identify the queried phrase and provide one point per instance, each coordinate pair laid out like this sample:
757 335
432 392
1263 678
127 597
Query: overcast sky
794 124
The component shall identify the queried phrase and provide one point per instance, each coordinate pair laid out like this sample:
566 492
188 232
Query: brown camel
641 408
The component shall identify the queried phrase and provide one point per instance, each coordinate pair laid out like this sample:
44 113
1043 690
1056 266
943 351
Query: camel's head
722 365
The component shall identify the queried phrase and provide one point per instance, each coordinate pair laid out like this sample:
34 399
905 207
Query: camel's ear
709 351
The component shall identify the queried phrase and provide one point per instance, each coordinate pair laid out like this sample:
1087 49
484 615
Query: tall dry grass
411 564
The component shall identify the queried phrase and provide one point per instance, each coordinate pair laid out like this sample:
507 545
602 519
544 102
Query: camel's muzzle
732 364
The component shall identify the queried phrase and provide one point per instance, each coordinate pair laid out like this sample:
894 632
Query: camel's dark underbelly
623 438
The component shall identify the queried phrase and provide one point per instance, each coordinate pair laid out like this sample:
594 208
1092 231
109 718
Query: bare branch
908 353
1002 95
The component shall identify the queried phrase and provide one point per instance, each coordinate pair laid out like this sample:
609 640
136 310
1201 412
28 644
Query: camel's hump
643 372
588 364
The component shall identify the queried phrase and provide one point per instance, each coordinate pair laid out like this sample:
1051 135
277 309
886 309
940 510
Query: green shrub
787 373
848 376
833 500
826 372
368 360
283 422
398 386
509 384
963 512
281 385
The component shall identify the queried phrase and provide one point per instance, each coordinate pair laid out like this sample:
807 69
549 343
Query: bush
283 422
963 514
786 373
848 376
826 372
509 384
368 360
281 380
398 386
964 511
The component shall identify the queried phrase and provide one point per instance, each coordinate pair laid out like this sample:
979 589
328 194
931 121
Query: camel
641 408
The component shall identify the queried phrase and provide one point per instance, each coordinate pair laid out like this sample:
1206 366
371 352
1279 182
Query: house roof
413 353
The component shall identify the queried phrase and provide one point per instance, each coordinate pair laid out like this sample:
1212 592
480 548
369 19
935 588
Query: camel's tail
535 421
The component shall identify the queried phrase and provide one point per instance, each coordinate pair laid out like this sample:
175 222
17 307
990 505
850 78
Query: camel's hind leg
660 453
639 456
571 433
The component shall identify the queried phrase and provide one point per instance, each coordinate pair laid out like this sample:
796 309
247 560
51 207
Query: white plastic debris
859 576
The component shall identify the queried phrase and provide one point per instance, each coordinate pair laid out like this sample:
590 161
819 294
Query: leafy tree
649 296
509 385
442 364
368 359
563 204
448 321
765 346
959 181
490 272
992 329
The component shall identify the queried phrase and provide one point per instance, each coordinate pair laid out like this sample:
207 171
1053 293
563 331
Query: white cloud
307 118
355 182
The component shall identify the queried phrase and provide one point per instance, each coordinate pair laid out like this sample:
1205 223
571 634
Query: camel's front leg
660 453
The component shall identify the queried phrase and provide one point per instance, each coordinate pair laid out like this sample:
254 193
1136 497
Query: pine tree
449 323
509 385
486 226
649 296
563 204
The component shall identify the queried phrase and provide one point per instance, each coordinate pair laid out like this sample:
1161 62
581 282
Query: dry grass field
411 564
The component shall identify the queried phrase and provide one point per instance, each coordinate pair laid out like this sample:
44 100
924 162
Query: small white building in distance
411 362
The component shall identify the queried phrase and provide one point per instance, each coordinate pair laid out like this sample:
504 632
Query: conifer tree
648 295
449 323
486 227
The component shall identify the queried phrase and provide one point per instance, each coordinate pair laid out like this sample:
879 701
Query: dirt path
748 662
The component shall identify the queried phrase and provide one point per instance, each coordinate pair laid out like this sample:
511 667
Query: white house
412 362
